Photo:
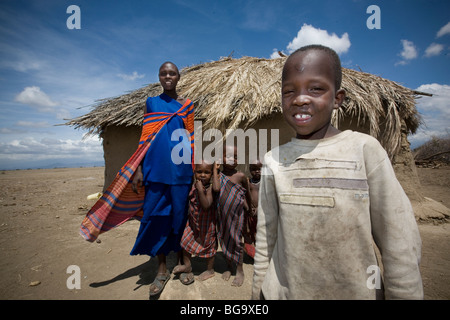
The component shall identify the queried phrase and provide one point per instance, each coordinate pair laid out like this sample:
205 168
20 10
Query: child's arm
394 230
248 194
205 196
266 233
215 179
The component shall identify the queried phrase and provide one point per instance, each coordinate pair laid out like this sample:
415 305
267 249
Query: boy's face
168 76
203 172
255 170
308 93
230 156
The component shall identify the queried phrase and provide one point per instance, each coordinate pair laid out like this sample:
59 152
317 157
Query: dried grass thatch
229 93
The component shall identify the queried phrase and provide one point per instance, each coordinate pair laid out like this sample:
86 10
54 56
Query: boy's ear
339 98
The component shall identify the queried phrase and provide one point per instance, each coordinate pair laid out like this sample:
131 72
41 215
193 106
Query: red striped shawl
119 202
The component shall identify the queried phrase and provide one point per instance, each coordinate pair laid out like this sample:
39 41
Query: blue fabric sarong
164 219
167 185
158 165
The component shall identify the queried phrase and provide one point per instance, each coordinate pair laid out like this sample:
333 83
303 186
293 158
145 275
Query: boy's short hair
334 58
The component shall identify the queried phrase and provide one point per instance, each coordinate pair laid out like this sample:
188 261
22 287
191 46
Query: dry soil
41 211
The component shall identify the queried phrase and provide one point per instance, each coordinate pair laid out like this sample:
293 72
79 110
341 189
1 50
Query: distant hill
50 164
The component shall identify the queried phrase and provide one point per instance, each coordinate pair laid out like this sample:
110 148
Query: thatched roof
229 93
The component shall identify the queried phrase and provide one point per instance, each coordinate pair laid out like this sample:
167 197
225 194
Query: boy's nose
301 99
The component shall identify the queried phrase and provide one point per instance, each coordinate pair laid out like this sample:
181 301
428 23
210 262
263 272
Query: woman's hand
137 180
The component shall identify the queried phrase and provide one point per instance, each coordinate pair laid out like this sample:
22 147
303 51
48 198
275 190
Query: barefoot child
199 237
233 196
251 215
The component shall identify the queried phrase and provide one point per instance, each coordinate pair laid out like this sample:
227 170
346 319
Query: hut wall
351 124
119 144
275 125
405 168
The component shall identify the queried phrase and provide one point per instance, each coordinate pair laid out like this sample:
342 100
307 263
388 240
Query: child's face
203 172
255 170
168 76
230 156
308 94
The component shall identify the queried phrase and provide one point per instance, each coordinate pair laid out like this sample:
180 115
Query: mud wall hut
245 93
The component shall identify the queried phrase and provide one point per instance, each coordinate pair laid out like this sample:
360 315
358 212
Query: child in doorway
326 197
232 201
251 215
199 237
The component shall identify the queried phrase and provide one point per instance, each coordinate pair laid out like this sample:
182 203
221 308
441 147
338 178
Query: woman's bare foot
205 275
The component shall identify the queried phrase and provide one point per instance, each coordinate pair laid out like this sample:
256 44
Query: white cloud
31 124
24 66
434 49
435 112
409 52
440 101
34 96
29 151
18 59
309 35
11 131
444 30
131 77
274 54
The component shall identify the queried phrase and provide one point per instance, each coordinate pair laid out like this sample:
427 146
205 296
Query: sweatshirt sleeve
394 230
267 227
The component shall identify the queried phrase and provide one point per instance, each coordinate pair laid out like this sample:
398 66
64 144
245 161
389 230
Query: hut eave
238 92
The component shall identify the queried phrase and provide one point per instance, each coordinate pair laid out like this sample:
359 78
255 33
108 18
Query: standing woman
154 184
167 184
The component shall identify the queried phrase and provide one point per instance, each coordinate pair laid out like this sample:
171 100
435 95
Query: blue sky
49 73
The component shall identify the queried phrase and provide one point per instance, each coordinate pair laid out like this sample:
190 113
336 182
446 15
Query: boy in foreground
326 197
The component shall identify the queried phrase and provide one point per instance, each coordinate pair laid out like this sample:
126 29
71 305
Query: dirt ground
41 211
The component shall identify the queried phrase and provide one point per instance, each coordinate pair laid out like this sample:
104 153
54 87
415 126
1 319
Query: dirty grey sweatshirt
323 204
